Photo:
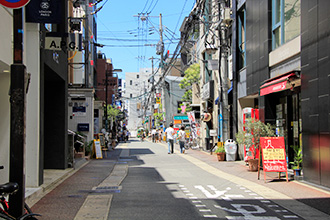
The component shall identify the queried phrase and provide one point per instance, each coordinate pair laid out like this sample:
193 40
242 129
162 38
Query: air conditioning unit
226 15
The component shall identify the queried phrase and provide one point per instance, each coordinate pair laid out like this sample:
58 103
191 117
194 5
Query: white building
32 63
138 87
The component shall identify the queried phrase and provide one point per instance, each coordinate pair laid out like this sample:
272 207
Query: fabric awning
276 85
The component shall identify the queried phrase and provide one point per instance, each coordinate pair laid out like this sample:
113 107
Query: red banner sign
273 155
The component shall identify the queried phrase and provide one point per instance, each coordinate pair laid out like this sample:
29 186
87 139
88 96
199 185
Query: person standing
169 132
182 139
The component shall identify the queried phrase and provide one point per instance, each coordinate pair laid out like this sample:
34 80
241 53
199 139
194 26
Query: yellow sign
158 100
274 154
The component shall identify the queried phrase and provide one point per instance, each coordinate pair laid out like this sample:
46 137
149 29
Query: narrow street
139 180
162 186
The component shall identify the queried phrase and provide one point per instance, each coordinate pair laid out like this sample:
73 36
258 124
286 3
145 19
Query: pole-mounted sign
14 3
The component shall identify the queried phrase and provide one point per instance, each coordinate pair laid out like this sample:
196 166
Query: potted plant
88 149
220 151
297 159
250 137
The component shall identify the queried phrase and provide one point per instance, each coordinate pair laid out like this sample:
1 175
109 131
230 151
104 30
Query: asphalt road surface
173 186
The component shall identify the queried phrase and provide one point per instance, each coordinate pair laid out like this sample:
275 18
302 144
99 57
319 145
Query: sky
129 39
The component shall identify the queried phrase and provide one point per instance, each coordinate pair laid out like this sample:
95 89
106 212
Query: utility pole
17 117
223 71
106 96
152 79
162 60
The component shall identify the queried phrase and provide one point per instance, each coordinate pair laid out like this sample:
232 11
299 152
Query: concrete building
136 94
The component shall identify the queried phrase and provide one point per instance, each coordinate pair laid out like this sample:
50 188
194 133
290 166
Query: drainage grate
110 191
108 187
75 196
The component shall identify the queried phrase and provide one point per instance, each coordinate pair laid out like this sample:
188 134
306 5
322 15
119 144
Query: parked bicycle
6 190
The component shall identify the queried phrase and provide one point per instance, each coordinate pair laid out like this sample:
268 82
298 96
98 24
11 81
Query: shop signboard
44 11
273 155
208 90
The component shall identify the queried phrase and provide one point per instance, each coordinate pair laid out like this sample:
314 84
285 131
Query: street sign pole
17 118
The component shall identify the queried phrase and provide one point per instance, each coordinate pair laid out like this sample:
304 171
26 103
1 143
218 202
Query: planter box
221 156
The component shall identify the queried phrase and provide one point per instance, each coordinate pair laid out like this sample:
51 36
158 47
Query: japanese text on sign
273 154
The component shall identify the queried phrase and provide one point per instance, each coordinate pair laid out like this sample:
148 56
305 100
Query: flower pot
297 172
253 165
221 156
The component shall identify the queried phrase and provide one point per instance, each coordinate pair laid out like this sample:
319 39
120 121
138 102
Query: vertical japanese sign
193 126
273 155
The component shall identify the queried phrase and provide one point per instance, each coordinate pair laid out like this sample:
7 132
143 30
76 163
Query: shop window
285 21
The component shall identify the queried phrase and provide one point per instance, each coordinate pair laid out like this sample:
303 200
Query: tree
159 117
191 77
250 137
112 112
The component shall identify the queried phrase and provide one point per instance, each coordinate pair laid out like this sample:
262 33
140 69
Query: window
242 38
131 95
285 21
131 82
137 76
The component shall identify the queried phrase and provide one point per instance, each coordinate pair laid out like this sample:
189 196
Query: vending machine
254 114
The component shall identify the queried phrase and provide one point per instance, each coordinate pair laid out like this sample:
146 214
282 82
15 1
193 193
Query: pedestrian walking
169 132
182 139
160 135
153 134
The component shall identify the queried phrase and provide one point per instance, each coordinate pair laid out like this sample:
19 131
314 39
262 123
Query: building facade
277 66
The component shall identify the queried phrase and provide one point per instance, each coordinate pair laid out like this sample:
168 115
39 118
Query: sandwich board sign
97 149
14 4
273 155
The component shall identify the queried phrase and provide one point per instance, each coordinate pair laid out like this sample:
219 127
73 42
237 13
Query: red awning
275 85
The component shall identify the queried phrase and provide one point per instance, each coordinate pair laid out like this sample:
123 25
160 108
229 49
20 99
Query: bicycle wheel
5 217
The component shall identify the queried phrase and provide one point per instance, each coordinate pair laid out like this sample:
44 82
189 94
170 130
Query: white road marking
197 201
216 193
228 197
205 210
200 206
281 210
290 216
247 210
265 201
210 216
273 206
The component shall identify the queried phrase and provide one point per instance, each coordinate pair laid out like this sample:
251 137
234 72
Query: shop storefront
281 96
